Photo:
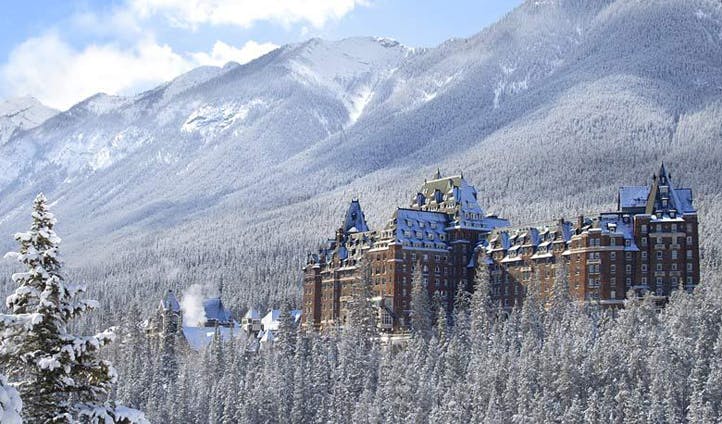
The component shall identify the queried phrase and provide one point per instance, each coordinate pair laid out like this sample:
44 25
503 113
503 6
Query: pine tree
481 305
421 313
59 375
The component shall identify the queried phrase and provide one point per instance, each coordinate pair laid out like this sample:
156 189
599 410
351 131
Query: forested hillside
232 174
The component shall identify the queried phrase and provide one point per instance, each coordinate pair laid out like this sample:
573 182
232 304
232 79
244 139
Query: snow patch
213 119
358 102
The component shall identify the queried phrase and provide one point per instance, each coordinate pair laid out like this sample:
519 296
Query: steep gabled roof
215 310
170 302
355 221
661 195
457 198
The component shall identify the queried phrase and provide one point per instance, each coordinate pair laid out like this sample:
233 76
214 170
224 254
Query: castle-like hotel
650 244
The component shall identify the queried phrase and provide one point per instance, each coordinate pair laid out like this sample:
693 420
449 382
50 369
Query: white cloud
49 69
60 74
244 13
223 53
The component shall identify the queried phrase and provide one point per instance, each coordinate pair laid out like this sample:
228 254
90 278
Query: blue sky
64 51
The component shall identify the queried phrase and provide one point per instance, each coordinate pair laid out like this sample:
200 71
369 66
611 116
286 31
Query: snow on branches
58 374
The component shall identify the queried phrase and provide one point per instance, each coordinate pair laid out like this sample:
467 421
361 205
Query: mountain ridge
542 85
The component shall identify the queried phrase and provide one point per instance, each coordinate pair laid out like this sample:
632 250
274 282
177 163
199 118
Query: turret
169 312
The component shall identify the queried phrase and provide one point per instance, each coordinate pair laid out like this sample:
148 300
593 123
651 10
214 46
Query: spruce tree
58 374
421 314
481 305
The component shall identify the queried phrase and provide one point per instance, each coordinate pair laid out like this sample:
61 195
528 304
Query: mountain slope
547 112
21 113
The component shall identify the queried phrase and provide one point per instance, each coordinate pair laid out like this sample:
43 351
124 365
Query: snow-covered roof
540 237
660 196
252 314
215 310
455 197
170 302
684 200
420 228
271 320
200 337
633 197
618 223
355 221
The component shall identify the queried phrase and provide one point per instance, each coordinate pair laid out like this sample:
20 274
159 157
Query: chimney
580 222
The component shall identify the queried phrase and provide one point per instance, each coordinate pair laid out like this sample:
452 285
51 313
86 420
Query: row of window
593 282
665 228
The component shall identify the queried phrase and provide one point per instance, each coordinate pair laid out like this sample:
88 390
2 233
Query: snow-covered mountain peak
350 68
349 57
22 113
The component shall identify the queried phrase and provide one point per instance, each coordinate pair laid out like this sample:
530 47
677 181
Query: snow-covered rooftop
170 302
200 337
215 311
355 221
271 320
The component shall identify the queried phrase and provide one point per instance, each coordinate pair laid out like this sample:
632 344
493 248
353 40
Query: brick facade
649 244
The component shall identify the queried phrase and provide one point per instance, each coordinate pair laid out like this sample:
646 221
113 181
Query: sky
62 52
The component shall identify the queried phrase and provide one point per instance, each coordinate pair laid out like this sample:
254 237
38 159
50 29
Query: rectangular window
628 269
613 294
659 255
689 254
644 229
613 256
689 240
659 267
613 269
674 254
689 267
644 267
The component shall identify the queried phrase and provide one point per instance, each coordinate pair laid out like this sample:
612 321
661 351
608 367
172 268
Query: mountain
547 112
20 114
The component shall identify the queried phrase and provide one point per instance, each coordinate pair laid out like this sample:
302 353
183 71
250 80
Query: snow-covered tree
421 312
10 403
58 374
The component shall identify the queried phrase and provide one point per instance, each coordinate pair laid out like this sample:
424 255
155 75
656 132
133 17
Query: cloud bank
60 74
245 13
49 69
